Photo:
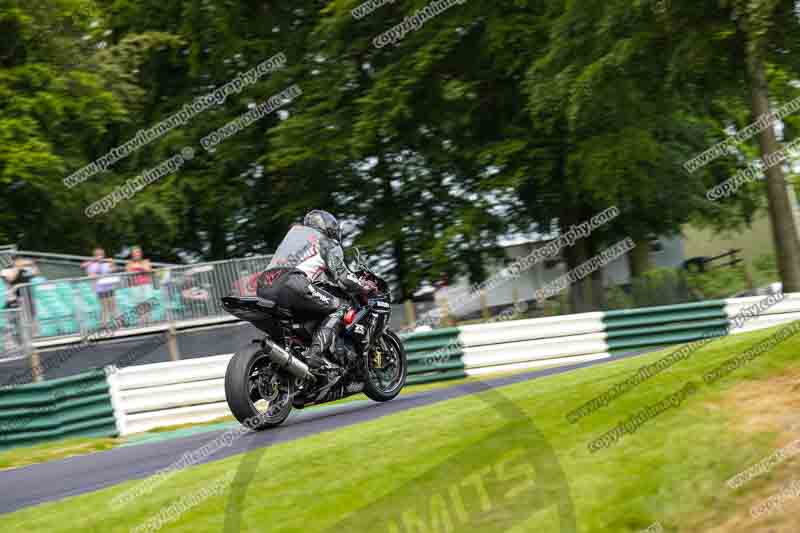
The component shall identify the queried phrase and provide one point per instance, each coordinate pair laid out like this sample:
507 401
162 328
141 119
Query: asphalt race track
55 480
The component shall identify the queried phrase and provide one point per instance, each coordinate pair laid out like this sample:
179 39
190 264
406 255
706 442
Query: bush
718 283
617 298
661 286
766 270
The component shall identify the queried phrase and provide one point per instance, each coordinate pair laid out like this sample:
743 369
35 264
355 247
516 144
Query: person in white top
99 268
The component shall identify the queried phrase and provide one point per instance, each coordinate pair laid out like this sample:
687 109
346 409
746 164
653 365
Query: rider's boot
322 341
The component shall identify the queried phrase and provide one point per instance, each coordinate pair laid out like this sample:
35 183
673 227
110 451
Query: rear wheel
387 368
259 396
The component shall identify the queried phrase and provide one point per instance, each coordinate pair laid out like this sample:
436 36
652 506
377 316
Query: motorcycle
268 378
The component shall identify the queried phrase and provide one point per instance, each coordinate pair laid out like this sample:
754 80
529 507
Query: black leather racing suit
305 259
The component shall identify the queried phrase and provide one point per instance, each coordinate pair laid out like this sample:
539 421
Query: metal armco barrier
78 406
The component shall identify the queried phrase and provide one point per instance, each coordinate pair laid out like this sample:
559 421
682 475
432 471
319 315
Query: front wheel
387 368
259 396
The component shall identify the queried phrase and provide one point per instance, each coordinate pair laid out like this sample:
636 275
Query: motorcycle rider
311 253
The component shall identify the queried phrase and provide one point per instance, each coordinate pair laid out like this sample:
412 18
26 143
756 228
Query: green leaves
489 119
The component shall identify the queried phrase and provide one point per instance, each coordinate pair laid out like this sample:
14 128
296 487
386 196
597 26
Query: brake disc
269 387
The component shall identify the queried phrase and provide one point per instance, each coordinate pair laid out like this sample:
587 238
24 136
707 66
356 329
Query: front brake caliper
377 358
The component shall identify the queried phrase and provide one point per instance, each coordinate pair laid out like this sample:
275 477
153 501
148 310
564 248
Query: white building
462 300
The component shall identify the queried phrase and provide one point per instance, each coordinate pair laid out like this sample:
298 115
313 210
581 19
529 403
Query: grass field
505 461
62 449
17 457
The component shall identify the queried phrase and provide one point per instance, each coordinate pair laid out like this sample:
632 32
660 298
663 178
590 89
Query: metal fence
14 336
123 300
195 291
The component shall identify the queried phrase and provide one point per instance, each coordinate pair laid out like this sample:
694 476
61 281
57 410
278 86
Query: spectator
5 292
98 269
20 272
9 333
141 280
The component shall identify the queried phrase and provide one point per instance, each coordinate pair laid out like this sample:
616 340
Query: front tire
377 389
258 396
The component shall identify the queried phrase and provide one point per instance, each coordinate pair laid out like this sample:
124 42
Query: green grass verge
48 451
52 451
417 464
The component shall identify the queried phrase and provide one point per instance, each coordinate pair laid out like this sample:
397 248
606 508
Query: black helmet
324 222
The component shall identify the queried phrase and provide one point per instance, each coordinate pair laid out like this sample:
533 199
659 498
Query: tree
387 136
724 50
50 110
612 132
66 92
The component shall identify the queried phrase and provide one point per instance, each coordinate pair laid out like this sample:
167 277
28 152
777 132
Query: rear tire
373 390
239 389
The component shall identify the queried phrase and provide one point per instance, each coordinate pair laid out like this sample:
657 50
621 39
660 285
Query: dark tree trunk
579 291
398 244
784 232
598 290
218 244
401 269
639 258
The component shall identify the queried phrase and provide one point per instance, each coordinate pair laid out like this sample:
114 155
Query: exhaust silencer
286 361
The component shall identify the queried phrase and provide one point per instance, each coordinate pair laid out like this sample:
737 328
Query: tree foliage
489 119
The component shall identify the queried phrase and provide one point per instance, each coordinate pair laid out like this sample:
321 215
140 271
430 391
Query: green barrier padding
31 394
434 355
661 309
612 324
76 406
670 328
658 340
439 376
656 327
434 333
57 415
33 425
98 427
423 369
430 345
623 352
51 406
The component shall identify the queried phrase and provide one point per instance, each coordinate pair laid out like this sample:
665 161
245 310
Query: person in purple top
99 269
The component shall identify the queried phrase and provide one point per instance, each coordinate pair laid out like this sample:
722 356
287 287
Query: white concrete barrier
766 321
195 414
165 394
789 304
786 310
172 372
532 343
531 329
192 391
534 350
530 365
171 396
